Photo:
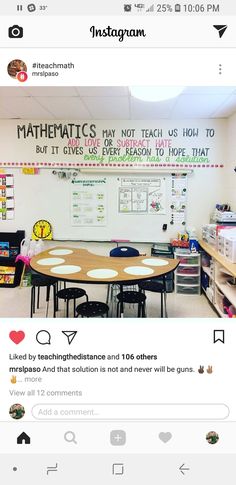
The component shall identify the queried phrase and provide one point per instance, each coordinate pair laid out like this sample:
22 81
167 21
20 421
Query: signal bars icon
151 8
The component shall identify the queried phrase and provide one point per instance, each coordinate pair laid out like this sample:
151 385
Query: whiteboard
46 196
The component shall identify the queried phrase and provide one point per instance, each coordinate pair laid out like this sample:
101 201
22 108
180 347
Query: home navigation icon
23 438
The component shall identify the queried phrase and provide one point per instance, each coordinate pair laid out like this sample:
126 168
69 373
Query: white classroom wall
229 181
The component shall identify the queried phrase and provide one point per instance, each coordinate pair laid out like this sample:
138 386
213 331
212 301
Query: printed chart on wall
6 196
89 202
178 199
142 196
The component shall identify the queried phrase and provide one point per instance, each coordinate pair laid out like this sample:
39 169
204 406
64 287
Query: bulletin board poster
89 202
178 199
142 196
109 144
7 203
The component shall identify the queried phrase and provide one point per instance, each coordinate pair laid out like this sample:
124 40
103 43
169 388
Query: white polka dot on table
60 252
138 270
50 261
155 262
66 269
102 273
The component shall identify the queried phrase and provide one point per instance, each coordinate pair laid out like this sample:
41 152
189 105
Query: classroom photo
118 202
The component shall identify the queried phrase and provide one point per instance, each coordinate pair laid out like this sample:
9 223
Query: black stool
71 294
132 297
39 281
156 286
92 309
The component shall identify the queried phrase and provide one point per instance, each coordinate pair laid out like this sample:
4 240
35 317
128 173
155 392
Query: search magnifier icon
70 437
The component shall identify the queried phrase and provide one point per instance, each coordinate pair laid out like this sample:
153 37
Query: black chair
131 297
92 309
38 281
157 285
124 252
113 288
68 294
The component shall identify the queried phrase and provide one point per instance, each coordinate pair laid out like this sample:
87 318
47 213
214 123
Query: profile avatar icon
17 69
212 437
17 411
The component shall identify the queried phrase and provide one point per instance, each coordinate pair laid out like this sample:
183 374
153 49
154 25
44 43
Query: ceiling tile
14 92
52 91
65 108
102 91
227 108
108 108
197 106
144 110
112 102
4 113
24 108
209 90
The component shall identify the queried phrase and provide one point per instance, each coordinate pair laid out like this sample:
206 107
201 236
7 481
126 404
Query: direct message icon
70 335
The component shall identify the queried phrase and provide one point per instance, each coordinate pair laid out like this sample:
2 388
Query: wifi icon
221 29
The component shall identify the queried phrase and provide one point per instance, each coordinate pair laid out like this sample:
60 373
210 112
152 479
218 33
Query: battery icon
177 7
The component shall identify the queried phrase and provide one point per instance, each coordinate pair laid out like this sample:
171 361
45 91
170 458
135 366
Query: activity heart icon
165 437
17 337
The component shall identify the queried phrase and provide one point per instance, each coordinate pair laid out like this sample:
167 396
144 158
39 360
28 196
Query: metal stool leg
139 309
55 302
67 307
32 302
38 297
144 309
108 293
161 305
47 299
165 304
121 303
118 310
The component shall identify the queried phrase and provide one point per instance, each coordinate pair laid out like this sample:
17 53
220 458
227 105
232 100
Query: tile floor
15 302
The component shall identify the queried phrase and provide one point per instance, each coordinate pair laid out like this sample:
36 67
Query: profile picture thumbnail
17 411
17 69
212 437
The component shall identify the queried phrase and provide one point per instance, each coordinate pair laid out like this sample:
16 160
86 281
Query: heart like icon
165 437
17 337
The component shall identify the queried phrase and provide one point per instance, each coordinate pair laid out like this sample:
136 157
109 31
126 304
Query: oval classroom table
81 266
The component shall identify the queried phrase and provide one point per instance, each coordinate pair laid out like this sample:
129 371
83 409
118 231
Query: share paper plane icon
70 334
221 29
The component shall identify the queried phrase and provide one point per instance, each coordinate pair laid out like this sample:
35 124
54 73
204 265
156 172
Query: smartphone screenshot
117 242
